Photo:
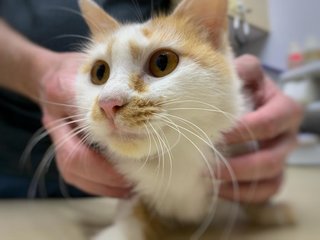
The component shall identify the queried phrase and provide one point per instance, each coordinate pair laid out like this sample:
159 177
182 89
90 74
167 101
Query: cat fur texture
160 132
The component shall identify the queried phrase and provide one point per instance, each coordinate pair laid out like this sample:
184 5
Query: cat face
146 83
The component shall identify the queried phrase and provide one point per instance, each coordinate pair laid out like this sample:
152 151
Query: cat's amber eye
163 62
100 72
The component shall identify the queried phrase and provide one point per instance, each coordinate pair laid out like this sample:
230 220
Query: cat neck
175 184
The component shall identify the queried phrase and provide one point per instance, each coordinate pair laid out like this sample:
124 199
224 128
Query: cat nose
111 106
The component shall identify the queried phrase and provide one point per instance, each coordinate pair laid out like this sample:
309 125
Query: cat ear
210 14
99 22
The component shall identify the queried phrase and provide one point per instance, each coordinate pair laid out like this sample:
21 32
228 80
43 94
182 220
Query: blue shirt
46 23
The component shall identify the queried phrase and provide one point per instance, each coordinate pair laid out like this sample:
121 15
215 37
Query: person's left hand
78 164
273 124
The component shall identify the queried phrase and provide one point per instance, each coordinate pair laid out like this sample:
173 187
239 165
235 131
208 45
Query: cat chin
133 148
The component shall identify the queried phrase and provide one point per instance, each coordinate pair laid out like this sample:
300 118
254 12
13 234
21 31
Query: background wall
290 20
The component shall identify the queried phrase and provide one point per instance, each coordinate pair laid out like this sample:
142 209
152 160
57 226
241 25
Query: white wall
290 20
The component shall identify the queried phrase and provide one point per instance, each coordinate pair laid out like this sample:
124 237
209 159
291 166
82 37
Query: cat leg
135 221
125 229
270 214
126 225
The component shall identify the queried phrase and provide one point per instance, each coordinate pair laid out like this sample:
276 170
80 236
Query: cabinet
252 13
309 144
308 94
258 14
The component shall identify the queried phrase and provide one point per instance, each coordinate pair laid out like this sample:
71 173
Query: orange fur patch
154 228
97 113
135 50
215 21
194 41
85 68
110 47
138 111
159 228
100 23
147 32
137 83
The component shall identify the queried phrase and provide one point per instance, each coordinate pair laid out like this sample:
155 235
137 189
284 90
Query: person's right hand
273 124
79 165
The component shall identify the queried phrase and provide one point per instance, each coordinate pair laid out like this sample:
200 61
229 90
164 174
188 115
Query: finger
250 71
81 161
274 118
76 158
253 78
57 95
251 192
97 189
90 166
266 163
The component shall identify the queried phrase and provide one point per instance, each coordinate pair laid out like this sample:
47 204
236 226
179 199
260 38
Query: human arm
274 124
47 77
21 62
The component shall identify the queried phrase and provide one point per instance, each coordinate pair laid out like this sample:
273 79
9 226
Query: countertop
79 219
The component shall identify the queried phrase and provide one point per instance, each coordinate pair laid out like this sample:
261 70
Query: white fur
125 225
175 186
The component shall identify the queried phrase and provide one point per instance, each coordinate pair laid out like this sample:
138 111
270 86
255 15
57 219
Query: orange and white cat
156 97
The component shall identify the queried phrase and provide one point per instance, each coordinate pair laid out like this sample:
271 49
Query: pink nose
111 106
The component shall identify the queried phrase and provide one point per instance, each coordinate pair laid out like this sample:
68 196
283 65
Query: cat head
143 81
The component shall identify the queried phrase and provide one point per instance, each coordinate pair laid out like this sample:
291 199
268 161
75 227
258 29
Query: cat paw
273 214
111 234
119 233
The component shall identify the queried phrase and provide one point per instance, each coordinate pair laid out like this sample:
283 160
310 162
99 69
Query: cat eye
163 62
100 72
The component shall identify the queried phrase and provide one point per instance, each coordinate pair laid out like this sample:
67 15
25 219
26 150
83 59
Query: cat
155 98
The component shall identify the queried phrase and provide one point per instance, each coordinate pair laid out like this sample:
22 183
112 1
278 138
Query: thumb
249 70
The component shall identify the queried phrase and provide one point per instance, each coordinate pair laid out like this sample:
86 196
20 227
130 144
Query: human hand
79 165
273 124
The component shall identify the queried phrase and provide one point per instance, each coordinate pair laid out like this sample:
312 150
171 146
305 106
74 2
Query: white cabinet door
258 15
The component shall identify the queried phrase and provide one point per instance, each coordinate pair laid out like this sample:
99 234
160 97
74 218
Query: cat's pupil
162 62
101 71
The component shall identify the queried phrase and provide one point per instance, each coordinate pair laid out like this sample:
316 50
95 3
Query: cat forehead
137 41
135 38
130 37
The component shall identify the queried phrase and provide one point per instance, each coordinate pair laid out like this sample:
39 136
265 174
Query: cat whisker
63 104
207 221
138 11
206 140
78 13
83 140
42 133
158 155
164 143
66 9
46 161
230 116
161 159
210 216
160 117
152 9
149 151
226 114
62 185
164 102
168 152
215 109
74 36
